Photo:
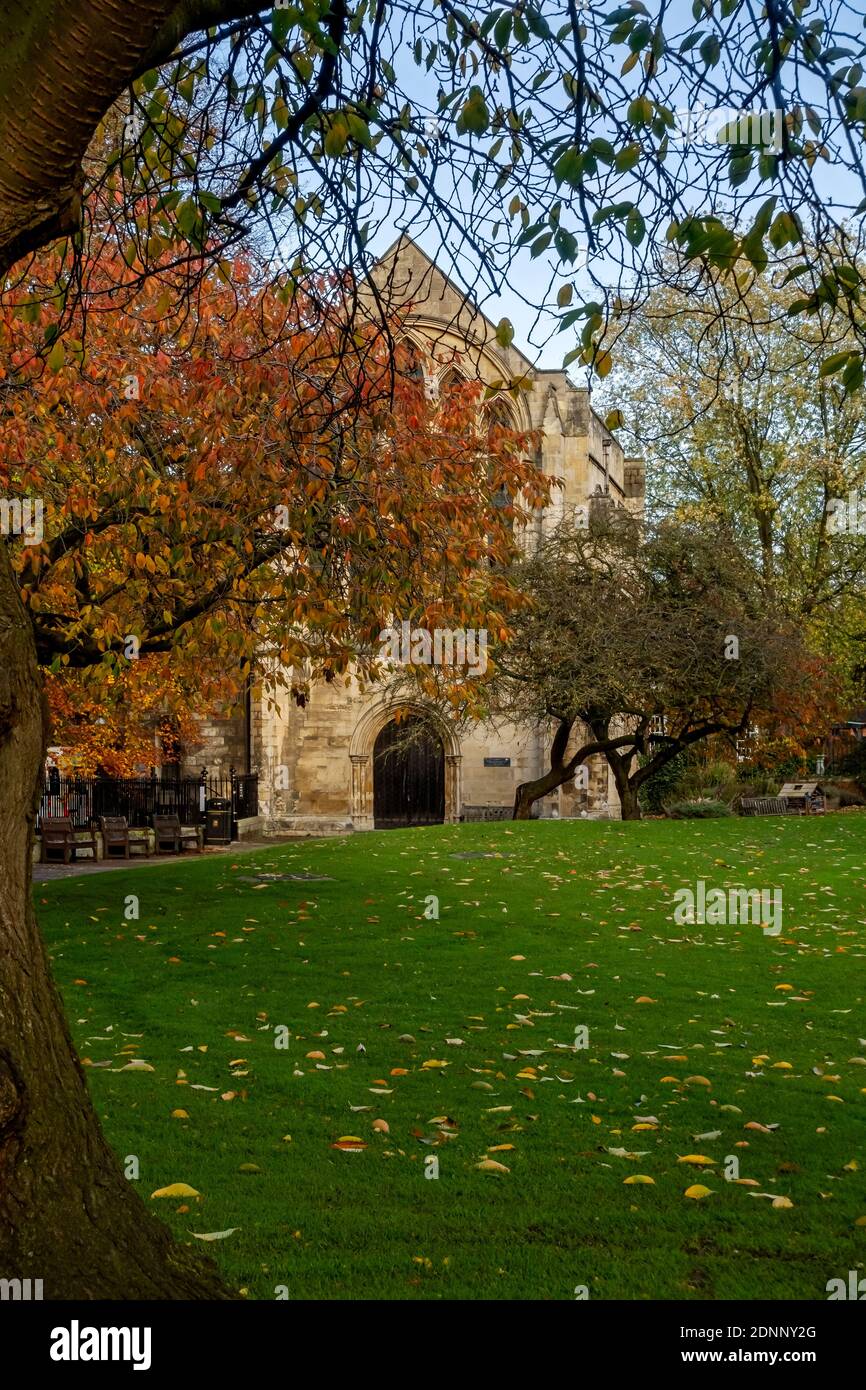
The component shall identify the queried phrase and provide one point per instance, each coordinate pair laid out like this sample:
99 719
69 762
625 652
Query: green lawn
566 924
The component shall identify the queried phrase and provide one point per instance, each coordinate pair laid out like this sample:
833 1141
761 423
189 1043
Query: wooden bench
59 835
169 831
116 834
763 806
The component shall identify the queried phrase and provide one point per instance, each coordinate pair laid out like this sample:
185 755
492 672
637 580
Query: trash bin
218 821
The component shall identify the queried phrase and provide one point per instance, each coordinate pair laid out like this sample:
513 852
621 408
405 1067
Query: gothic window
498 417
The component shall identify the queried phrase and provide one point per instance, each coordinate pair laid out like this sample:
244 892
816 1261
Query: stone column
453 787
362 791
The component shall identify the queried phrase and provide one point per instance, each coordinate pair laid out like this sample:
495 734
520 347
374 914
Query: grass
556 925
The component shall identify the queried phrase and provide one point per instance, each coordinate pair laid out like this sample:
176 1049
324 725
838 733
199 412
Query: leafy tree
726 400
638 644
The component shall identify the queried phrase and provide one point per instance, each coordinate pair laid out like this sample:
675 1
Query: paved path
48 873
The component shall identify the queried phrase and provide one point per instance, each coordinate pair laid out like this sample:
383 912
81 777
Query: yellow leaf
697 1191
176 1189
700 1159
179 1115
489 1165
639 1178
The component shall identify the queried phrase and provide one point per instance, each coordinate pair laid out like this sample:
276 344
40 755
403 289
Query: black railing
85 799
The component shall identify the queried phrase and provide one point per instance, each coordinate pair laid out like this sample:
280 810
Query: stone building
323 767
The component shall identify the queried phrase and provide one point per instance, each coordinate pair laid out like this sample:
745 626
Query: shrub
842 796
663 785
715 780
698 810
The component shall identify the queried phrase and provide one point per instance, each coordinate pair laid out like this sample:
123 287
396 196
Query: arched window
498 417
413 359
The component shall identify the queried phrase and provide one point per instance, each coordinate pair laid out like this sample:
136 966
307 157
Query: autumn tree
246 480
121 723
637 643
535 131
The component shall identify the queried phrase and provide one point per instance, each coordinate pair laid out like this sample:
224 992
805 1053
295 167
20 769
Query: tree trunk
628 792
530 792
68 1216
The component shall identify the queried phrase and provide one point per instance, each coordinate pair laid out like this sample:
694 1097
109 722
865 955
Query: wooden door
408 776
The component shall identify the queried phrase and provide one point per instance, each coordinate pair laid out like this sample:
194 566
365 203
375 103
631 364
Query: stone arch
362 742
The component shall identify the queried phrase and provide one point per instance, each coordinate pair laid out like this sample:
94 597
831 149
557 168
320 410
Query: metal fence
85 799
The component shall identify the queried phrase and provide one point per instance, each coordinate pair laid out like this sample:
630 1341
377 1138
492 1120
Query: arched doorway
408 775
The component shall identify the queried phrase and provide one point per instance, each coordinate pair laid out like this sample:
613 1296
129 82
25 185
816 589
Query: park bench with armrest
169 832
59 836
117 835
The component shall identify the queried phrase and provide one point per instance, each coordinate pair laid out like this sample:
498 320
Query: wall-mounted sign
497 762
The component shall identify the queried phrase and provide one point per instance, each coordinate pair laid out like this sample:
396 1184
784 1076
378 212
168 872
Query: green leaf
474 117
852 377
502 29
710 50
627 158
540 244
505 333
635 227
831 365
569 168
